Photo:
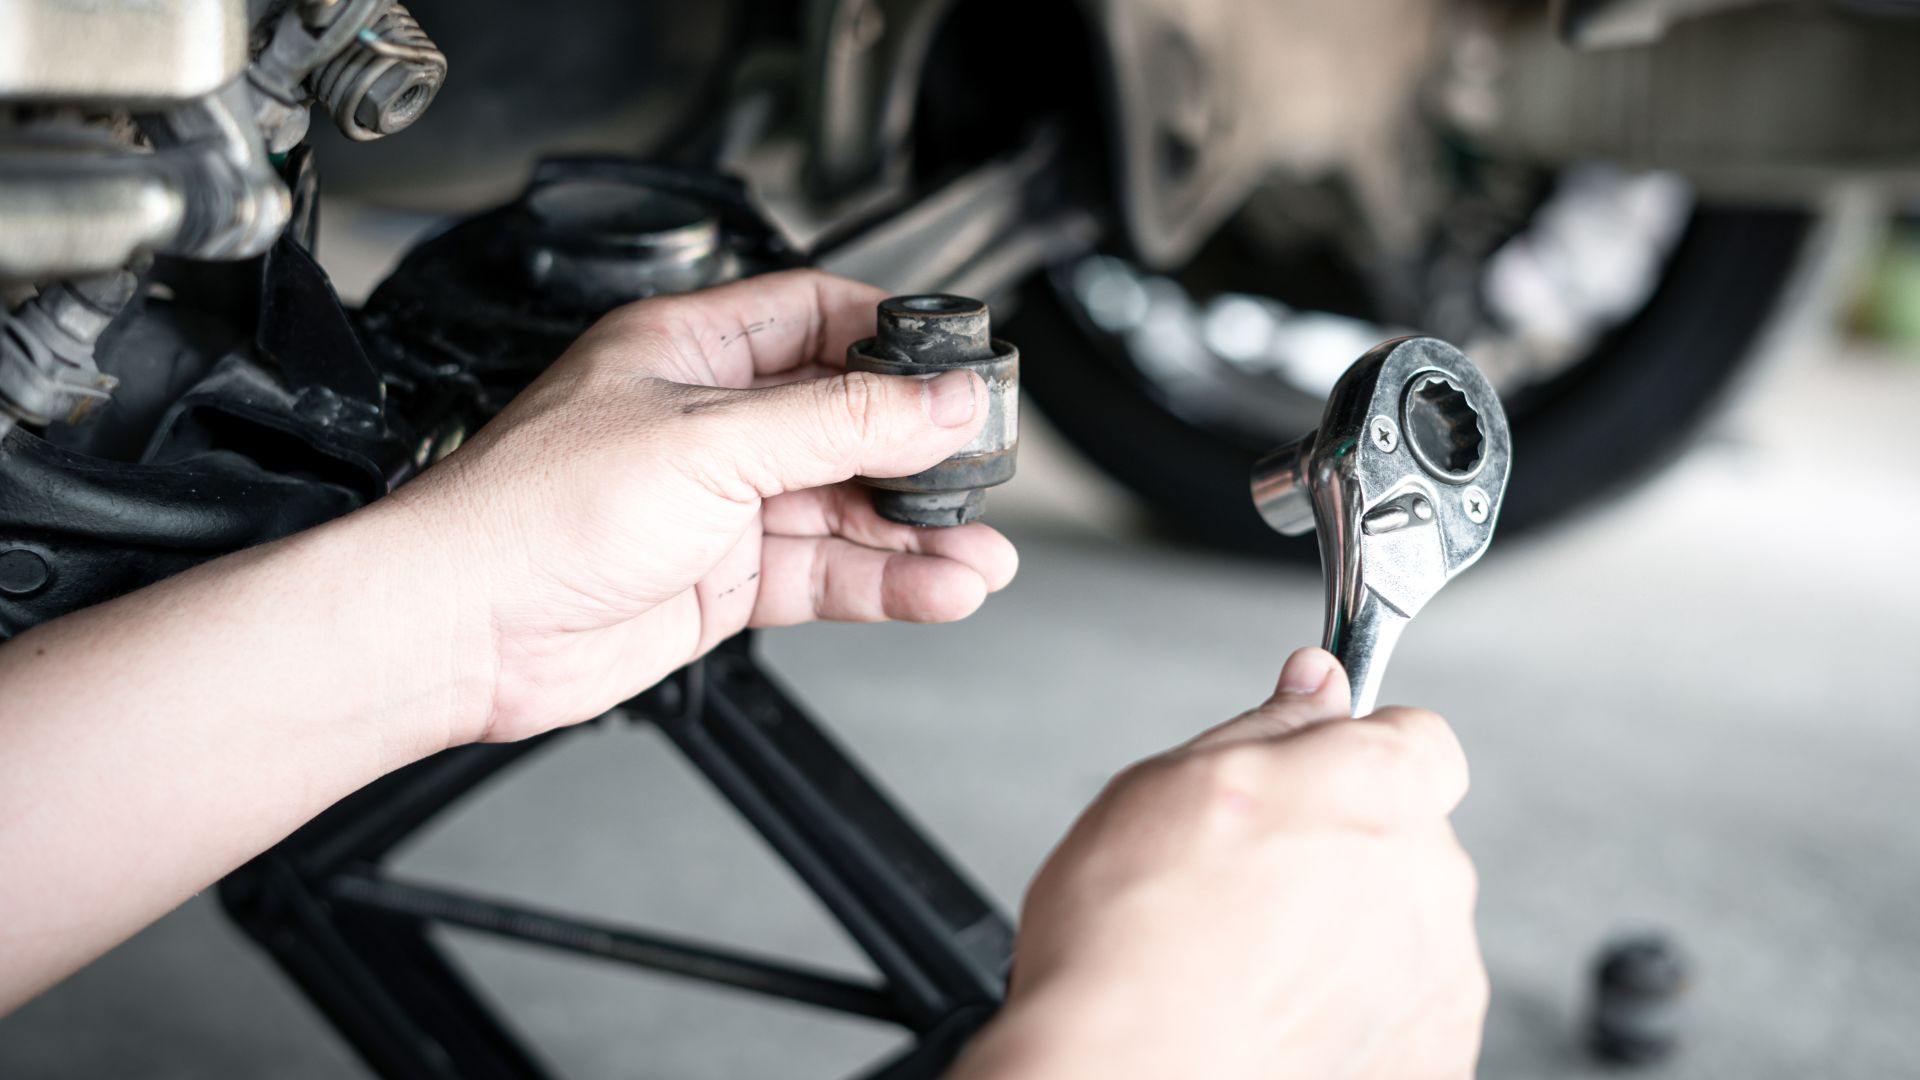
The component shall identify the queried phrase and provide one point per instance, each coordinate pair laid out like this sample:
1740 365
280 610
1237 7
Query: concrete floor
1693 710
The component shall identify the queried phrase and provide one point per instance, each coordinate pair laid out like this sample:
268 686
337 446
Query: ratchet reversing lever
1403 480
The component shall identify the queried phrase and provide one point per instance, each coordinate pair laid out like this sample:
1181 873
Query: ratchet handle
1363 644
1402 481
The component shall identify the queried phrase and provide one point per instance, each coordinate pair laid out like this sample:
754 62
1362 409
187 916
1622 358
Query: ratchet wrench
1403 481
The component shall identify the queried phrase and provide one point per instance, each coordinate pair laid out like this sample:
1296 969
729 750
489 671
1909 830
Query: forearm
610 524
151 744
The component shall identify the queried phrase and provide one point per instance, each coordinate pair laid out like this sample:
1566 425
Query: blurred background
1691 710
1685 673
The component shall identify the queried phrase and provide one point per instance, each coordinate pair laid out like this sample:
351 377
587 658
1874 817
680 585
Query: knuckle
1191 791
635 314
1150 770
1413 721
650 317
1443 759
1223 783
1375 753
1435 751
1426 726
1140 779
1371 771
859 400
1225 768
1466 877
1477 989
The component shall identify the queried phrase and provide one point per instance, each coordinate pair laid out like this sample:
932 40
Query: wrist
429 622
1046 1037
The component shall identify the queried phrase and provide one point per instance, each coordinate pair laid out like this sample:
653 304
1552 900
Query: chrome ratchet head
1403 481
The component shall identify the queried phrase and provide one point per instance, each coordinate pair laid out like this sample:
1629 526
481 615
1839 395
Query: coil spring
384 80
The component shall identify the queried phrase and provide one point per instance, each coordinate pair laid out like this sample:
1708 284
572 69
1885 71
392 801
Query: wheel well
998 68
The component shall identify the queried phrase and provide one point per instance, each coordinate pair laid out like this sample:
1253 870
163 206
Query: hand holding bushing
924 336
1403 480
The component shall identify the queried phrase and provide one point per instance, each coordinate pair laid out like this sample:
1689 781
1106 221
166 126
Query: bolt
1476 504
384 79
1634 1016
23 572
866 25
1384 434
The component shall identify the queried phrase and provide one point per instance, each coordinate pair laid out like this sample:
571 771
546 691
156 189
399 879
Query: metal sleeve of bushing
923 336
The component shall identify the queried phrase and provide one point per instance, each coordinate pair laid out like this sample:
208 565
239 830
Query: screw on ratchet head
1403 481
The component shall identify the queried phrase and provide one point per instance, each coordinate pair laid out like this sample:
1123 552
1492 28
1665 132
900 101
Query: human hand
679 475
1281 897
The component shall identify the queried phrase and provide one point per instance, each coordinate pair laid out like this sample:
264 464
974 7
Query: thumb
1312 690
822 431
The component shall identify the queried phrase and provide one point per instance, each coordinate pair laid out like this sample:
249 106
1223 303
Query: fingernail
949 398
1304 672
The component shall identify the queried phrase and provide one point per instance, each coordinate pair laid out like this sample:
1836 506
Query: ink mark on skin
737 588
746 331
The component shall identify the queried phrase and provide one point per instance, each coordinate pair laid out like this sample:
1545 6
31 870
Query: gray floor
1694 710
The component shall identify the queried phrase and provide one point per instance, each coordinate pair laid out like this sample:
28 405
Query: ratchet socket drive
1403 481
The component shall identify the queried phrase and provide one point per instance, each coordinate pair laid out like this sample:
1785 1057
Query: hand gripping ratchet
1403 480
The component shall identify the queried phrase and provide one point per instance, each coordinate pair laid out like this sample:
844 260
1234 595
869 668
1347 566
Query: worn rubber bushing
924 336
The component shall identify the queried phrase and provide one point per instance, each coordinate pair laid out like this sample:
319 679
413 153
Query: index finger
758 329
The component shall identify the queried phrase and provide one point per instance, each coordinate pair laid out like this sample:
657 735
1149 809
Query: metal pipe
206 190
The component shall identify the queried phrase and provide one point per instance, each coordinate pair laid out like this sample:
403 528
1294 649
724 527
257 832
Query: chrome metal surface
367 62
236 201
47 369
76 202
979 234
75 210
616 241
151 52
1764 100
1395 516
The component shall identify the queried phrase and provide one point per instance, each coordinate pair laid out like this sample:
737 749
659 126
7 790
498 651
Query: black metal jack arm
356 940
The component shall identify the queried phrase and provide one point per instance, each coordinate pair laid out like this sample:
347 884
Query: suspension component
367 62
600 241
384 79
47 370
924 336
76 204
